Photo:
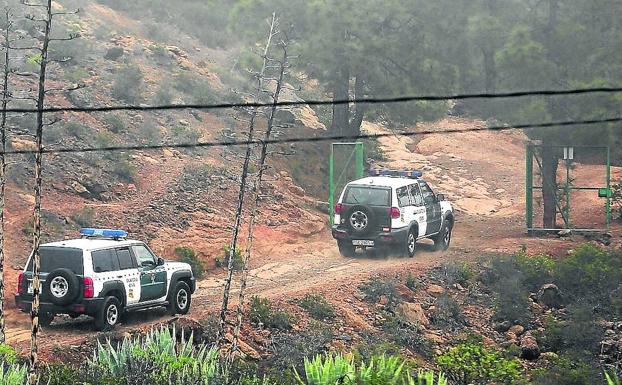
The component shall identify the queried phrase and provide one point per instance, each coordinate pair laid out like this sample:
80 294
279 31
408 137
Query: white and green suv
103 275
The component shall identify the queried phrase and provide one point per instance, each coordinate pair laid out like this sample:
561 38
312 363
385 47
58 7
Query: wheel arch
115 289
185 276
449 217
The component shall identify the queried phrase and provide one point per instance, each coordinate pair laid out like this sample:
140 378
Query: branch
74 12
72 36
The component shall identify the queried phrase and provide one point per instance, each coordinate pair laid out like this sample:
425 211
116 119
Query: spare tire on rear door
360 219
61 286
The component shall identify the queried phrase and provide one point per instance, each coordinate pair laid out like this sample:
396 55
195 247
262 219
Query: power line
316 139
379 100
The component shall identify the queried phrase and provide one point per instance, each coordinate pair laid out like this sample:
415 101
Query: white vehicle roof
383 181
92 243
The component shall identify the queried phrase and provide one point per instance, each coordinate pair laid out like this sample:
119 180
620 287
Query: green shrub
238 262
13 374
75 129
8 355
114 123
427 378
537 270
327 370
84 217
411 282
60 374
579 332
406 335
505 278
186 135
567 370
150 132
447 312
317 307
158 50
76 74
460 273
189 256
127 84
163 95
471 363
124 169
613 379
262 313
114 53
378 288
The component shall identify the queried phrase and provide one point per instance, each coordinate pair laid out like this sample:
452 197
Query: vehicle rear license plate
30 291
362 242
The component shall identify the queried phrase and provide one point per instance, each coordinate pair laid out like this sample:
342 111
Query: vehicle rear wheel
109 315
61 286
179 301
410 246
443 238
45 319
346 249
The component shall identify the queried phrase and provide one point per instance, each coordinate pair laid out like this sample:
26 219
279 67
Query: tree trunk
341 112
490 69
549 186
359 112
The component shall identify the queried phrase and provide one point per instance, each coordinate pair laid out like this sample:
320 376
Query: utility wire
317 138
379 100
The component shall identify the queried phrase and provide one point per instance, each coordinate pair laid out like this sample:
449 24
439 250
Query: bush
290 349
114 53
75 129
84 217
407 335
76 74
158 50
447 312
537 270
186 135
378 288
317 307
13 374
238 262
189 256
150 132
163 95
127 84
567 370
471 363
114 123
125 170
411 282
261 313
60 374
579 332
8 355
460 273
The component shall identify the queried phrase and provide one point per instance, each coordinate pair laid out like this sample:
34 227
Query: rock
529 347
297 191
517 330
549 356
184 122
503 326
564 233
511 336
550 296
404 292
413 313
78 188
433 337
435 290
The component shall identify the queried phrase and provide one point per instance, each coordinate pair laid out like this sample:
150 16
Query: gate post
331 185
529 188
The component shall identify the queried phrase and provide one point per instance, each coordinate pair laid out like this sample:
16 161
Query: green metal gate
346 163
583 177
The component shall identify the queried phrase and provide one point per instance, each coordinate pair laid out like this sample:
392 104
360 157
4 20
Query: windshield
59 257
365 195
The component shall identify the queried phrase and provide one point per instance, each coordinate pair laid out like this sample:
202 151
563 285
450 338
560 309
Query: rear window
53 258
363 195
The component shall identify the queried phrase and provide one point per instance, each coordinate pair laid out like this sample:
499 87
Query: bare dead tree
239 212
3 139
283 65
46 21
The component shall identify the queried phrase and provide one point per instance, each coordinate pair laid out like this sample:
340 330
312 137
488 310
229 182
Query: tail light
89 289
20 283
394 212
338 208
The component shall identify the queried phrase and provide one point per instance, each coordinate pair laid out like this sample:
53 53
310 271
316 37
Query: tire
180 299
410 244
443 238
61 287
360 220
45 319
346 249
109 315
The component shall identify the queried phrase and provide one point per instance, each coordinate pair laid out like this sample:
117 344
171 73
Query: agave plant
12 374
160 354
613 379
427 378
328 370
381 370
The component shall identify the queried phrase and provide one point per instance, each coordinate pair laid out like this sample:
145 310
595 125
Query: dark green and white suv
104 275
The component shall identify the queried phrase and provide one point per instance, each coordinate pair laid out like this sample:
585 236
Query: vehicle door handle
119 276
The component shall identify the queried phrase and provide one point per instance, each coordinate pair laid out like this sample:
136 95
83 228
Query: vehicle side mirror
160 261
440 197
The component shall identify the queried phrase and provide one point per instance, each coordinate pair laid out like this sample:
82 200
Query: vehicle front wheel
410 245
442 240
109 315
346 249
179 302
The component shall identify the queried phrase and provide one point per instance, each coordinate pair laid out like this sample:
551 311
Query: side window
426 191
125 259
415 195
403 199
143 255
104 260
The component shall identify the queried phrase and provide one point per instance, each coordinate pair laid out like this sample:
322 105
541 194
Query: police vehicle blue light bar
107 233
396 173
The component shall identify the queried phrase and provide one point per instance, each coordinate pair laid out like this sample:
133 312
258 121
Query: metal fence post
529 188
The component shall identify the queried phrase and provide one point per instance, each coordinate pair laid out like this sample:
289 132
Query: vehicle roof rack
412 174
114 234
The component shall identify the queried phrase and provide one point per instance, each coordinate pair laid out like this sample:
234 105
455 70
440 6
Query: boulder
413 313
517 330
529 347
550 296
435 290
503 326
404 292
